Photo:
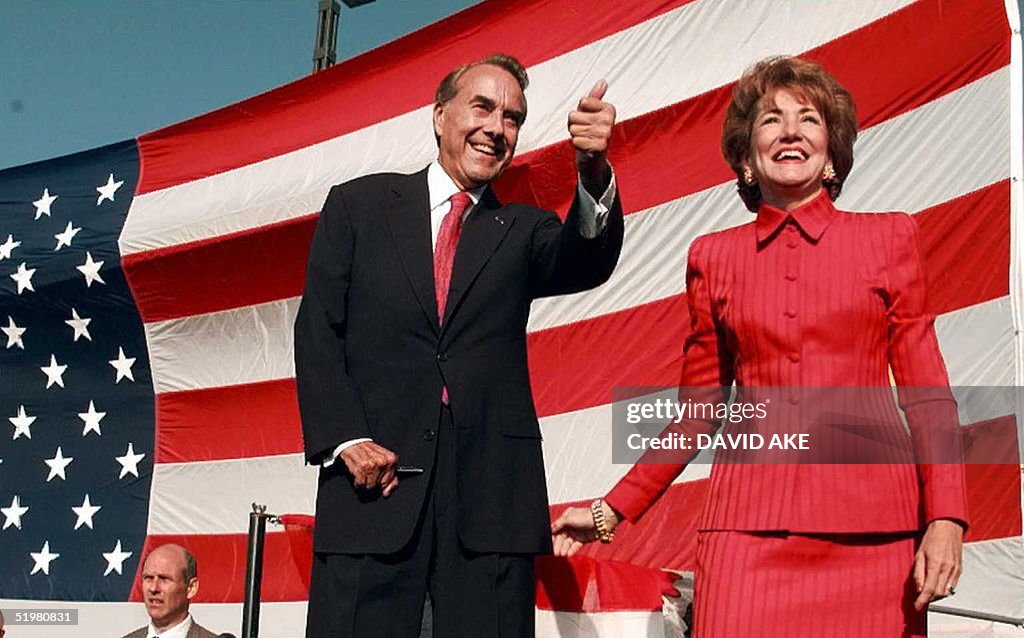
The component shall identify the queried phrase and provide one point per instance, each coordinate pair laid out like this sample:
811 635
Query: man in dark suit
410 354
169 582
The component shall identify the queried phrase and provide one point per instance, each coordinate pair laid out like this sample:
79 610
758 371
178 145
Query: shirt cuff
329 461
593 215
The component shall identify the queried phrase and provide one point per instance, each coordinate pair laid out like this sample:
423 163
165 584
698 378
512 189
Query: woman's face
788 149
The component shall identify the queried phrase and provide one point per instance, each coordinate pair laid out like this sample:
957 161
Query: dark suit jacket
195 631
371 359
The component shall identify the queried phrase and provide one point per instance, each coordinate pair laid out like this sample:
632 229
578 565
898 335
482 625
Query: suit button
442 356
429 435
791 243
791 314
794 357
793 400
790 276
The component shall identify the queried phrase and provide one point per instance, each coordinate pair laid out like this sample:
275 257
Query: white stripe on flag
243 345
228 488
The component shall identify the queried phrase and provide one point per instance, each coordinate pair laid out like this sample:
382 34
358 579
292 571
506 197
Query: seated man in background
169 581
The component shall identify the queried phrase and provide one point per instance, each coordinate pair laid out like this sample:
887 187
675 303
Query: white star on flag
13 333
92 419
54 372
24 278
7 247
21 423
107 190
123 365
85 512
91 270
115 559
43 559
58 464
43 203
64 238
129 462
80 325
13 514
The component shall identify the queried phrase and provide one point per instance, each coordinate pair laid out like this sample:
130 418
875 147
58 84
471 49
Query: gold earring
748 176
828 174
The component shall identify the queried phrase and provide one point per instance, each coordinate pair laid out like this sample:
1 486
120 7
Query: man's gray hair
191 569
449 86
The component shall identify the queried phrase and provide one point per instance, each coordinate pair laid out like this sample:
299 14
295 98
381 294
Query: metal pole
254 571
978 615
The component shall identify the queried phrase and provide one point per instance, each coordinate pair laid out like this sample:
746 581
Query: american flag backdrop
148 288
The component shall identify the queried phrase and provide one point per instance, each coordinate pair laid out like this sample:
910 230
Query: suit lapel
408 217
481 236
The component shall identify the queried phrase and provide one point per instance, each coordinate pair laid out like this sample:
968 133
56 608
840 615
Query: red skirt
768 584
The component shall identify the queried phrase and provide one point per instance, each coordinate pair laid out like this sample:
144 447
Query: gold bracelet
600 523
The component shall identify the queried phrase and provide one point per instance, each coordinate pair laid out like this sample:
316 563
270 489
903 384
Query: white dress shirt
178 631
593 217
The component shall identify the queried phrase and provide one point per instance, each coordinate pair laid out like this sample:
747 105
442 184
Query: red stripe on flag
241 269
372 87
577 366
946 42
221 559
230 422
966 247
993 479
582 584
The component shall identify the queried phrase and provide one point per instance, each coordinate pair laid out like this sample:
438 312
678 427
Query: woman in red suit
808 296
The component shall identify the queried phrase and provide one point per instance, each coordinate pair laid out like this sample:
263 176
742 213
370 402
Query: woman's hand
938 563
576 526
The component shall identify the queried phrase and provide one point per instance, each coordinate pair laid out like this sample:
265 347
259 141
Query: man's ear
438 119
193 587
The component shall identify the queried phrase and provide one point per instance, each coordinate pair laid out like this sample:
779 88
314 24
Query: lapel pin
499 220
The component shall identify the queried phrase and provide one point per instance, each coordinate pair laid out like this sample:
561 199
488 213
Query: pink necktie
444 257
444 253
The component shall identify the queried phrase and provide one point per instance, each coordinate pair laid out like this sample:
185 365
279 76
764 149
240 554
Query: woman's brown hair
808 80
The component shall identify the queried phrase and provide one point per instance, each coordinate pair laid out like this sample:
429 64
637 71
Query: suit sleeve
329 401
563 261
921 379
707 375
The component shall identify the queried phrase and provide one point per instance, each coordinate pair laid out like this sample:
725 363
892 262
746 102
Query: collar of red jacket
812 218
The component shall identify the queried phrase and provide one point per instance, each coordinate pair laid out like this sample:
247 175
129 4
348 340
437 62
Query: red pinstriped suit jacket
815 298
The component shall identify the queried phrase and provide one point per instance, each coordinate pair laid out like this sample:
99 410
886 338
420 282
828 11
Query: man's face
479 127
164 588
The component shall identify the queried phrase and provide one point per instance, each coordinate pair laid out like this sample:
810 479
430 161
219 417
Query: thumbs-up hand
590 128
